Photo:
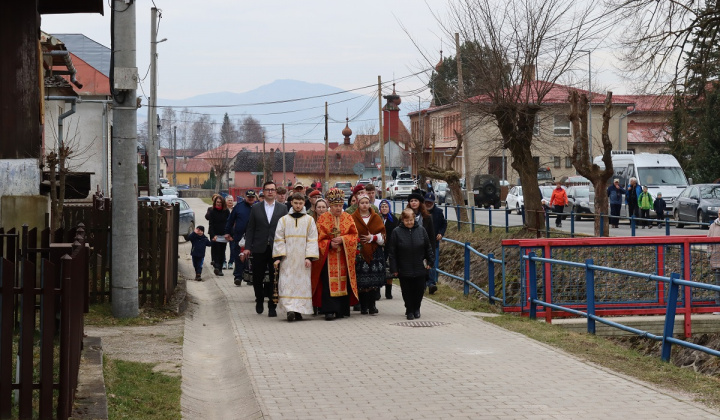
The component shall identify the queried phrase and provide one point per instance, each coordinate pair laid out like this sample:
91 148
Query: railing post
491 278
437 262
522 213
532 272
632 225
446 207
547 224
670 317
472 221
490 211
457 215
590 295
572 223
466 276
507 221
602 224
667 226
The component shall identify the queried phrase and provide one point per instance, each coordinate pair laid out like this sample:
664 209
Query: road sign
359 169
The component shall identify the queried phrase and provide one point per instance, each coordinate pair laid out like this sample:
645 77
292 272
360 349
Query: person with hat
370 262
235 230
423 218
440 226
313 198
615 193
261 196
334 283
352 207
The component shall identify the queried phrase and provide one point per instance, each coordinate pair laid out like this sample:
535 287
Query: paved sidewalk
367 367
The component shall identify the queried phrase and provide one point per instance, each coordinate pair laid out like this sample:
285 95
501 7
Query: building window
568 162
561 125
536 127
556 161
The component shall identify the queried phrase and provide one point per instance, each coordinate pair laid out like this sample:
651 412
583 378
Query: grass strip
100 315
136 392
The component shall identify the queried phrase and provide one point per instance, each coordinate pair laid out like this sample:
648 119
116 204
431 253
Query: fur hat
417 196
335 196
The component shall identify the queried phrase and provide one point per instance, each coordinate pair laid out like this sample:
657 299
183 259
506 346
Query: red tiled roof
647 132
166 151
189 165
363 141
93 81
340 163
650 103
235 148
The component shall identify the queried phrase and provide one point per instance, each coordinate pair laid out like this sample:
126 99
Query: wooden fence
42 298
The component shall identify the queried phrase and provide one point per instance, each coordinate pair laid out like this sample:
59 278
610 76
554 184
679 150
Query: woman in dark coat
422 217
391 222
217 216
411 257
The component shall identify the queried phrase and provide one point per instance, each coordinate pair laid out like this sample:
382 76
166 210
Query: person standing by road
631 198
259 239
228 262
440 226
370 262
660 207
411 256
615 193
645 202
558 201
235 230
294 250
217 216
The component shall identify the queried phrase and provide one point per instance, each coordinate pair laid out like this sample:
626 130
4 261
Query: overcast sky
224 45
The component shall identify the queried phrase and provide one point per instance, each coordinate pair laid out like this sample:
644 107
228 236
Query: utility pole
327 163
124 163
152 110
380 134
463 120
264 161
175 156
283 146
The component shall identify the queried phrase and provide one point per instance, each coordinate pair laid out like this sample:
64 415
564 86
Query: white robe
295 240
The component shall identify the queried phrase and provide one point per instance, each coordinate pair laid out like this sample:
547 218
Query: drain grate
415 324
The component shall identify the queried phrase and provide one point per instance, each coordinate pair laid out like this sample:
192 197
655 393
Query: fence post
572 223
490 211
472 221
532 272
632 225
670 317
466 277
522 213
446 207
667 226
507 221
590 295
437 262
457 215
547 224
602 224
491 278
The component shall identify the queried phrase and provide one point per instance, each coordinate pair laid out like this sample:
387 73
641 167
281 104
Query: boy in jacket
645 202
200 243
660 207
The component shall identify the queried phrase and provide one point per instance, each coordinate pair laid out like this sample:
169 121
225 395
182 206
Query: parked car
182 187
164 183
441 190
402 188
187 215
697 203
363 181
388 186
514 200
346 186
581 200
486 190
404 175
168 193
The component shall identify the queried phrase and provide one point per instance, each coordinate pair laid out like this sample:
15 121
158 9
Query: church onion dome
347 132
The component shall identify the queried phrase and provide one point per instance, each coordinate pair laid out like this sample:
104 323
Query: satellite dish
359 169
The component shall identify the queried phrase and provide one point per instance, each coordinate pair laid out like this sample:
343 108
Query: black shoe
238 281
315 310
259 307
373 311
410 317
272 313
377 294
432 289
417 314
329 317
298 316
217 272
356 307
363 311
340 316
388 291
291 316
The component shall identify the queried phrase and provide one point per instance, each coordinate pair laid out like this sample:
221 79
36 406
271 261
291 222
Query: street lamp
589 53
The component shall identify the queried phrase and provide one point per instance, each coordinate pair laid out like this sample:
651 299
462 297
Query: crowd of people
329 254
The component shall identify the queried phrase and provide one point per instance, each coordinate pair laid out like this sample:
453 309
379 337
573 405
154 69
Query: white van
659 172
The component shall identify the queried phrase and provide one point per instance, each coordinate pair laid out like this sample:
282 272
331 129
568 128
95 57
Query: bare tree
448 174
202 136
582 161
250 130
228 133
220 160
518 39
169 120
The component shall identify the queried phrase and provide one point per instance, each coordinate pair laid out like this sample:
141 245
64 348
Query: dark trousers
660 217
239 266
615 214
260 263
633 209
558 209
413 289
644 214
197 264
217 253
367 299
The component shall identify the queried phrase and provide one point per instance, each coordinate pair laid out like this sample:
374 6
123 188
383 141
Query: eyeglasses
270 189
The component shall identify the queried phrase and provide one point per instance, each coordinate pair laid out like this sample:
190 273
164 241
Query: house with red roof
552 142
648 127
309 166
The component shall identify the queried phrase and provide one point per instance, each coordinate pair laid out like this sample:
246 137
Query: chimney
391 116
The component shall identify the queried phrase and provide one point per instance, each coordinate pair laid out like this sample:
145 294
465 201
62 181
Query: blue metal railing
467 282
674 282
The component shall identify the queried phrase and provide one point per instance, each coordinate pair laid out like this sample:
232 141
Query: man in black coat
259 239
440 226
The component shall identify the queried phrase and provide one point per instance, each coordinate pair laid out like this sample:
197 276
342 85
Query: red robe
340 261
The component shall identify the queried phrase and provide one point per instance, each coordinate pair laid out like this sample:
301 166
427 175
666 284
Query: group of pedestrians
639 203
325 255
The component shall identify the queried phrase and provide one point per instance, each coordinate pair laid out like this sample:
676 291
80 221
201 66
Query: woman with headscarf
391 222
370 261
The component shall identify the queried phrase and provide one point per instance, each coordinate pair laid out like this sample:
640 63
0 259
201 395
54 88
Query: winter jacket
645 201
439 222
217 219
631 197
238 220
407 249
199 244
558 197
390 226
660 207
615 194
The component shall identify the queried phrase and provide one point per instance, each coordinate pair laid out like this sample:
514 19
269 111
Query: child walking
200 243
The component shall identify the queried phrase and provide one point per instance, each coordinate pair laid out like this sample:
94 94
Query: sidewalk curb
91 397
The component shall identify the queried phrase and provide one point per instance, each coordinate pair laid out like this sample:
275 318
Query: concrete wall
19 177
19 210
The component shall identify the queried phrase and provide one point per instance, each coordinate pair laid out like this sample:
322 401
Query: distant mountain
274 104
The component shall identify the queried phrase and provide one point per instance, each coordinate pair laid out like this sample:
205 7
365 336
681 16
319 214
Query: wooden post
380 134
327 163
